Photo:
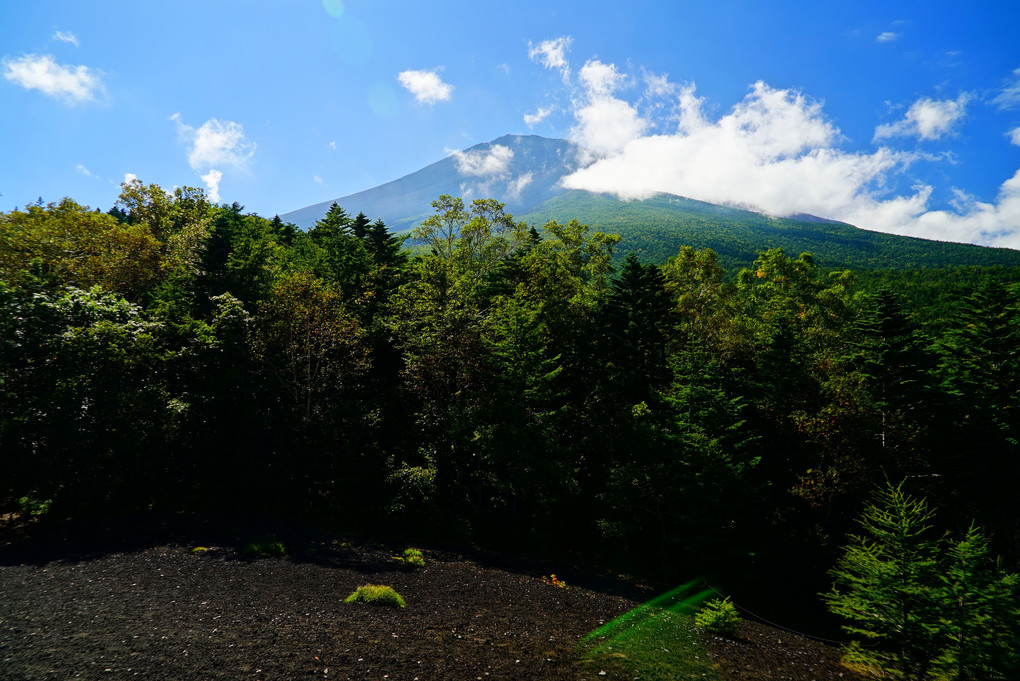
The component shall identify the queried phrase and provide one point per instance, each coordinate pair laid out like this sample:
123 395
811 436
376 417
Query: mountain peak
521 171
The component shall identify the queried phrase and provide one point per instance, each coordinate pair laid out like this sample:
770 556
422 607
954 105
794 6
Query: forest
804 437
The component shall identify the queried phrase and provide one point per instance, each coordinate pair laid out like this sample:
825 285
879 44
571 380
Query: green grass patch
654 641
411 558
378 594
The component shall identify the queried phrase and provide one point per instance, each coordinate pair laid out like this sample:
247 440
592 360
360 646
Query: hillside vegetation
656 228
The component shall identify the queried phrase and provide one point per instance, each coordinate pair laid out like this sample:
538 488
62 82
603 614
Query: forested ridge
515 385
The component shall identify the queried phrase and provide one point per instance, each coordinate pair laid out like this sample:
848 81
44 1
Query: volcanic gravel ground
128 600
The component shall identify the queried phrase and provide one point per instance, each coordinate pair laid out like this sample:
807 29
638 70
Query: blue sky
902 117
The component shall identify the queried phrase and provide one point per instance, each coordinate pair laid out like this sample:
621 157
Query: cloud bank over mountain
774 152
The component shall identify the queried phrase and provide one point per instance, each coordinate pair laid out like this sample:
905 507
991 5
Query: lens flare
334 8
352 41
382 100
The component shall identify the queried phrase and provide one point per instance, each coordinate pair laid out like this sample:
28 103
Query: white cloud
66 37
332 145
426 86
1009 97
1014 136
605 123
493 162
552 54
658 85
70 84
887 37
971 221
775 152
518 185
534 119
215 143
130 178
485 168
317 179
82 170
772 152
928 119
600 80
212 184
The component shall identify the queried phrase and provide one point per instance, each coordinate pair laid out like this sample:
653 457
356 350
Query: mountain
520 170
524 171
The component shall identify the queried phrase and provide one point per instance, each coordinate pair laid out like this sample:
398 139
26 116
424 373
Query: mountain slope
656 228
519 170
524 171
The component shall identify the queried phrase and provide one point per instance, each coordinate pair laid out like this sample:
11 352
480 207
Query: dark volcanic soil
129 599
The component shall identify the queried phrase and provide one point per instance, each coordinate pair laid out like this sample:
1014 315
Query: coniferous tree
885 585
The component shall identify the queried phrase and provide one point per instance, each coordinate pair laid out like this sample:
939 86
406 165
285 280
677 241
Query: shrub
269 547
719 616
34 507
412 558
374 593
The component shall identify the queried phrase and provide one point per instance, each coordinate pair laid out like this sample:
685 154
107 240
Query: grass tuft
377 594
412 558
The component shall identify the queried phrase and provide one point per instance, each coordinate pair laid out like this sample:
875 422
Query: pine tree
920 608
885 585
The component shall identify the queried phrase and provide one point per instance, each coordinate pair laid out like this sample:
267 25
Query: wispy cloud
1009 96
426 86
82 170
215 143
493 162
658 85
552 54
519 184
887 37
66 37
1014 136
317 179
484 169
70 84
927 119
540 115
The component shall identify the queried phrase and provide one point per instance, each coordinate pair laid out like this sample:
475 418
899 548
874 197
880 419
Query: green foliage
33 507
520 384
920 608
265 548
411 557
884 586
719 616
376 594
656 228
